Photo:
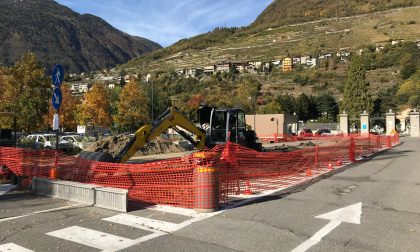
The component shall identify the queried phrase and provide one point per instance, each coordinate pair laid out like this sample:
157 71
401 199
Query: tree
133 109
356 95
326 103
68 110
410 91
27 92
287 103
95 108
306 107
247 92
270 108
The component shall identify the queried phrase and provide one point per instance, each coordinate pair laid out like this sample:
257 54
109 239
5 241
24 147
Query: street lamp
277 127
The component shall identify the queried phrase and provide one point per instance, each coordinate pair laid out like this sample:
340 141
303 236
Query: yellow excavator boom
170 119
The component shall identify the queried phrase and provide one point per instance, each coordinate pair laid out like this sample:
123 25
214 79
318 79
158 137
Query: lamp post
277 128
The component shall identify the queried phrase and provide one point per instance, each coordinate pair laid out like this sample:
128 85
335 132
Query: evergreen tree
356 95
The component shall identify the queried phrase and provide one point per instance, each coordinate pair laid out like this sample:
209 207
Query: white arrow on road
349 214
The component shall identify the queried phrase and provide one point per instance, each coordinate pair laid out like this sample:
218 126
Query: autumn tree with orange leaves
95 108
133 109
68 110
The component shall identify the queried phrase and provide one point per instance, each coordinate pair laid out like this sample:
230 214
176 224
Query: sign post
57 77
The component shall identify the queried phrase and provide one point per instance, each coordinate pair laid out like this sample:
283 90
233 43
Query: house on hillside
296 61
397 41
239 66
287 64
251 69
193 72
180 71
313 62
304 59
209 70
256 64
223 67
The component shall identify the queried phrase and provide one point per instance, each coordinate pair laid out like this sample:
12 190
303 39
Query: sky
167 21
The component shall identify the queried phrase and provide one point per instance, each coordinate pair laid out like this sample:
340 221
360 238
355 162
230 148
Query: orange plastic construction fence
201 180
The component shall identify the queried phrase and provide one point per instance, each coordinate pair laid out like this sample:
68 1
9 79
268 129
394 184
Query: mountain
286 12
294 28
57 34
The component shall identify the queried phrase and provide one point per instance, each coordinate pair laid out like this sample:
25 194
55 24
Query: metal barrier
200 180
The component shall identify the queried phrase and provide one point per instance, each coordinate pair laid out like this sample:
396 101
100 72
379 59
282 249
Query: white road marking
6 188
93 238
175 210
11 247
141 222
42 211
349 214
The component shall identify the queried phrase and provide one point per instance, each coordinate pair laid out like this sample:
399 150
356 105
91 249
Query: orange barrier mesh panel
200 180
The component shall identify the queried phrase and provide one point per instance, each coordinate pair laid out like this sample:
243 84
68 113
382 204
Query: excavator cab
225 124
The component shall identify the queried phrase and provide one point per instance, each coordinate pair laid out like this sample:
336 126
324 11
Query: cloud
167 21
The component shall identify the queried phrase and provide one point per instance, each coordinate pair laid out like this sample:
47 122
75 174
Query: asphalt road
387 187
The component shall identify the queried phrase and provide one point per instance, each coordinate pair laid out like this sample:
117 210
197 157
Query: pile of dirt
114 144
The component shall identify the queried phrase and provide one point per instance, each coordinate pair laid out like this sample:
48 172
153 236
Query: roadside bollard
53 173
352 157
206 175
248 188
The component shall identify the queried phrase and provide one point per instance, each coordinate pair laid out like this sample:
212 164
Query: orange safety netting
201 180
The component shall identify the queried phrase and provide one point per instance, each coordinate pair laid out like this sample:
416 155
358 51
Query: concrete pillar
415 123
344 123
364 123
390 122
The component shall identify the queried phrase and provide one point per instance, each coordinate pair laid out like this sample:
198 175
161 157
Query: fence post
206 175
352 157
388 142
316 156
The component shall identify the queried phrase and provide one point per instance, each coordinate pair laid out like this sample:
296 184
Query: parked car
305 133
71 141
42 141
323 132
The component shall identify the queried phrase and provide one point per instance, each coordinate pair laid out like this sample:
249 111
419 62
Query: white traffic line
5 188
141 222
93 238
42 211
175 210
11 247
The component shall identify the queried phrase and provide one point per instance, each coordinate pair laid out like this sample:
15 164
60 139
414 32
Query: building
223 67
296 61
193 72
180 71
313 62
304 59
239 66
268 125
287 64
209 70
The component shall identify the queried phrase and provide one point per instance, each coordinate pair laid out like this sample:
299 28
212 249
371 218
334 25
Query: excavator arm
171 118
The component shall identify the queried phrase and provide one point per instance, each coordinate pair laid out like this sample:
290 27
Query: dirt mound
114 144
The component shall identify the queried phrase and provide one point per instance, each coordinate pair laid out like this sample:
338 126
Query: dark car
306 133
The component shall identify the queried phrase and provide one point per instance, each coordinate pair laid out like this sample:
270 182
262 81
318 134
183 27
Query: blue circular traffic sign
57 74
57 98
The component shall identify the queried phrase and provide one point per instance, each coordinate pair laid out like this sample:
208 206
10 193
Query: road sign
349 214
57 98
57 75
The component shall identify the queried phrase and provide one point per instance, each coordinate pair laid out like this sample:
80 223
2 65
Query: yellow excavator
217 126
